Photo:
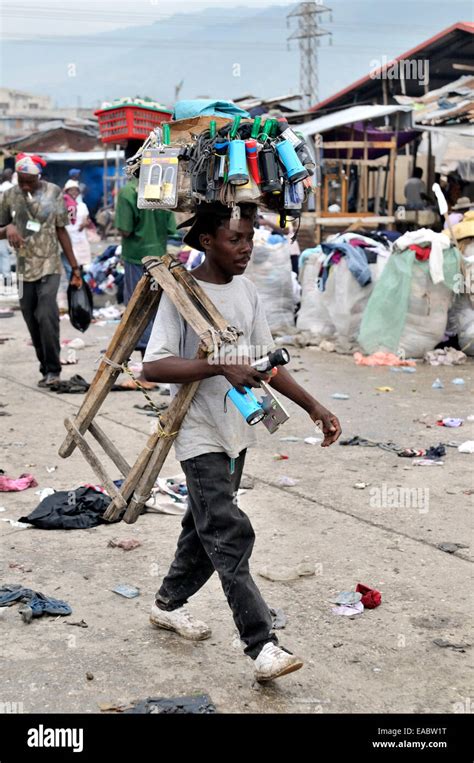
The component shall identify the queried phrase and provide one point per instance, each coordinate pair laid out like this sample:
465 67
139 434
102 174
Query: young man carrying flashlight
211 445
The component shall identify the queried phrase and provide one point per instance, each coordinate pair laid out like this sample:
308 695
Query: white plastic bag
270 271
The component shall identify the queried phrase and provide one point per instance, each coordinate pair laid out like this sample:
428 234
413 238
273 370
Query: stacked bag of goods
270 271
229 161
461 314
337 278
408 309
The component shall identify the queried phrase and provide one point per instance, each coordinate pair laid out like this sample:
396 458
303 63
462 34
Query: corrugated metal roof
348 116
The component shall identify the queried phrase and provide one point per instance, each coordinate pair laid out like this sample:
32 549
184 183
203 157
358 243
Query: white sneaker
180 621
273 662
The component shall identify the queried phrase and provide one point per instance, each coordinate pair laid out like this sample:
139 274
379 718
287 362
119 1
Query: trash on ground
381 359
437 384
35 603
450 422
349 610
129 591
80 623
279 619
347 597
290 438
371 598
283 574
18 566
76 385
127 544
340 396
286 481
16 523
448 356
449 645
280 457
51 469
384 389
199 704
12 485
69 510
433 452
361 485
466 447
313 440
457 380
427 462
451 548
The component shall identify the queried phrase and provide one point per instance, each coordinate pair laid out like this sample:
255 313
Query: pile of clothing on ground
337 278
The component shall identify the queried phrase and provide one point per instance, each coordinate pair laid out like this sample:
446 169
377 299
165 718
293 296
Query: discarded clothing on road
11 485
75 385
69 510
198 705
36 604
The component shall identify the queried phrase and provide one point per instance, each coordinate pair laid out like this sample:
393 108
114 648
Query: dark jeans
40 311
217 536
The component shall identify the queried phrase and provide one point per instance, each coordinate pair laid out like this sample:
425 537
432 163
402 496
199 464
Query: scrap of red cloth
422 252
370 597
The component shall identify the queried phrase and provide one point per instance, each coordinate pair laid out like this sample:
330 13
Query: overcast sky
27 18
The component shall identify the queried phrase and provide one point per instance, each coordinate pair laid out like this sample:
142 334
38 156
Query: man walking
33 219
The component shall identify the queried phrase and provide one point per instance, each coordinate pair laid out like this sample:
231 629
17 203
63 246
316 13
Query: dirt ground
384 660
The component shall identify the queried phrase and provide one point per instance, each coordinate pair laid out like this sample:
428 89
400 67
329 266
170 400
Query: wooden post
142 306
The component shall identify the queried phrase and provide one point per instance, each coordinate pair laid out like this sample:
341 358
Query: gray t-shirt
207 426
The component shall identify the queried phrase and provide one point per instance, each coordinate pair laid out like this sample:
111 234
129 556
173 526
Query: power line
308 34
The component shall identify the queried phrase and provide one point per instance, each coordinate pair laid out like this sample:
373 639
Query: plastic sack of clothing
406 311
80 306
336 312
313 315
270 270
461 314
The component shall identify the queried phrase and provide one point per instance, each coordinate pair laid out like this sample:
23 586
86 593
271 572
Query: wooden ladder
163 274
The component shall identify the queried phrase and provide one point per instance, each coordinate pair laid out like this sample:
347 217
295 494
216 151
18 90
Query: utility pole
308 33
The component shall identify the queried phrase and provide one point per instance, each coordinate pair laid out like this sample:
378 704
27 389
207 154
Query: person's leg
47 315
190 569
28 306
227 537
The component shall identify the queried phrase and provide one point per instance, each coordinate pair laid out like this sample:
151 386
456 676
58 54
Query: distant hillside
206 49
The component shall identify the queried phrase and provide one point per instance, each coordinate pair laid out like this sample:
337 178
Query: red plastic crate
129 123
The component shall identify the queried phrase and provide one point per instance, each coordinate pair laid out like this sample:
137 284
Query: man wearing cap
33 219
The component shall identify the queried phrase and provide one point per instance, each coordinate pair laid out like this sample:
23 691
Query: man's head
418 172
74 173
227 243
29 168
7 175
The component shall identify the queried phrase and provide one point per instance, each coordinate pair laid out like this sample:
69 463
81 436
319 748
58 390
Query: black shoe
52 380
42 381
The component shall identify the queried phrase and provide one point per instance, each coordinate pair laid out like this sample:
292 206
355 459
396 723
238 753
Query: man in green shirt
144 233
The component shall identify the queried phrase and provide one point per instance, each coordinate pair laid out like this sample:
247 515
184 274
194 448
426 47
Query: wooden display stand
163 274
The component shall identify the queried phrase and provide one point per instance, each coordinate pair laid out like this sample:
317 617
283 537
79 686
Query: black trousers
40 311
217 536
